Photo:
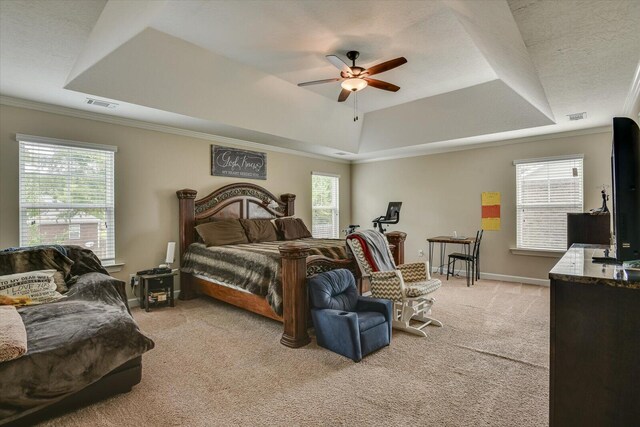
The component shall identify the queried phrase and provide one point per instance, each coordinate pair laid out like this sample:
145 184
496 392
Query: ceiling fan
355 78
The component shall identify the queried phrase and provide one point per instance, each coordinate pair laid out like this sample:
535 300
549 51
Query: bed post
186 201
397 238
290 200
294 294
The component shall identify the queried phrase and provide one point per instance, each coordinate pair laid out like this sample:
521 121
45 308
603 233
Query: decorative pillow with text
34 287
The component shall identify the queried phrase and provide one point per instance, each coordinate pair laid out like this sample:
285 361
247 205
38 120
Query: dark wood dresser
588 228
595 342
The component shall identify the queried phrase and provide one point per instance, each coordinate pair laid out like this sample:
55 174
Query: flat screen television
625 174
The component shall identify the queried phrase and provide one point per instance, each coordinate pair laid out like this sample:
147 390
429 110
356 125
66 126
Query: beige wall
441 193
150 167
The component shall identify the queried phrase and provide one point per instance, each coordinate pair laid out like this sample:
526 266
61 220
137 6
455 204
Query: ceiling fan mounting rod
353 55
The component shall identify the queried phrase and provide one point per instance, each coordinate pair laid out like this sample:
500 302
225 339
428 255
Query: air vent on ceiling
101 103
340 153
577 116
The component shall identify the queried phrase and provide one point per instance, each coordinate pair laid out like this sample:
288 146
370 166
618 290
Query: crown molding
382 156
89 115
426 151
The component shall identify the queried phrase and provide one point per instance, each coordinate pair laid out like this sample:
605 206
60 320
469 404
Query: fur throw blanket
70 262
13 335
73 342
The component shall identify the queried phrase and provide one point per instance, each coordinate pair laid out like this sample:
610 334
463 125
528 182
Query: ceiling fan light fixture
354 84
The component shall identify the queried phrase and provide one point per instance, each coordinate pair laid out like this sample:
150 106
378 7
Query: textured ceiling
551 58
293 42
586 52
40 41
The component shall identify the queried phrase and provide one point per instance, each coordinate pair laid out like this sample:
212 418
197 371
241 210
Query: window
67 194
74 231
325 215
547 189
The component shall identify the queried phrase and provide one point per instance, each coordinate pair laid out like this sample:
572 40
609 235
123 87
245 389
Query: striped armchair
407 285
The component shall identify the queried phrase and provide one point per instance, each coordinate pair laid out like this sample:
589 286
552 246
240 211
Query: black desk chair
472 261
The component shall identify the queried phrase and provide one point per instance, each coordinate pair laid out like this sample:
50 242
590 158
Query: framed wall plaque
233 162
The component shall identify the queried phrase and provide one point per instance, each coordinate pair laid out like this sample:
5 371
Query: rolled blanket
13 335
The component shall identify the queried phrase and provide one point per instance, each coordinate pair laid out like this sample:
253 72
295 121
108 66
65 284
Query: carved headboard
241 200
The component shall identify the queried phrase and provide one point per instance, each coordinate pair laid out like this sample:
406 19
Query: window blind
547 190
325 220
67 196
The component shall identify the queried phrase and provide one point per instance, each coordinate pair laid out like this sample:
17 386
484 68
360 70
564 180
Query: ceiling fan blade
344 94
339 63
385 66
317 82
379 84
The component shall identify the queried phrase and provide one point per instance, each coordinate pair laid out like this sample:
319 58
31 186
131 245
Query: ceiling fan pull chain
355 107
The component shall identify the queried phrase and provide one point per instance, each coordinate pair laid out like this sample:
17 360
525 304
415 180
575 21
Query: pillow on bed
291 229
223 232
259 230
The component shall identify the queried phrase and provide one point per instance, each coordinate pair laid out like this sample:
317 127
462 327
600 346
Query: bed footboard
295 302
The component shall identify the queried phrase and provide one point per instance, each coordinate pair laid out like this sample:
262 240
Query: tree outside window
325 214
67 196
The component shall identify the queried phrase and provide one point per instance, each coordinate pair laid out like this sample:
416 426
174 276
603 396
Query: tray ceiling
230 68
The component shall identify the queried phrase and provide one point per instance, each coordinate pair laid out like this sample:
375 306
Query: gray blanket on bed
254 267
72 343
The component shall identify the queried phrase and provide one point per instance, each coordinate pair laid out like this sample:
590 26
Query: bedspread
255 267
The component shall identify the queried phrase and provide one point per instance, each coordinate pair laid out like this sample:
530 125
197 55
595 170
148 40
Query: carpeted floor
216 365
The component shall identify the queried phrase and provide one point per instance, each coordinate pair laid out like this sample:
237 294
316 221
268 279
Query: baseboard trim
516 279
503 277
135 302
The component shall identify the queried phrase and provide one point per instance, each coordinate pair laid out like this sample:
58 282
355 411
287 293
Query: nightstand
156 289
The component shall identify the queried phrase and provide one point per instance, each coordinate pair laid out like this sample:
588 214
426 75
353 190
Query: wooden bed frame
245 200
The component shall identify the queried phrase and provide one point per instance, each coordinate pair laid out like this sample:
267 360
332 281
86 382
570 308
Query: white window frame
75 231
335 208
519 207
109 259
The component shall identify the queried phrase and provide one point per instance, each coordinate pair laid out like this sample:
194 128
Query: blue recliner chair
345 322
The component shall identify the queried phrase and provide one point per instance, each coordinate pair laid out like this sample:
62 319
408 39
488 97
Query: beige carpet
216 365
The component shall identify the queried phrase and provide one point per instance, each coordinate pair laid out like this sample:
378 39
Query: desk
443 240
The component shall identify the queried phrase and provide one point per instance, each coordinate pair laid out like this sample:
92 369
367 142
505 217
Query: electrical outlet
133 279
421 253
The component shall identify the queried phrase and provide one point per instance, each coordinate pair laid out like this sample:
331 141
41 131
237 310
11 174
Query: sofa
80 348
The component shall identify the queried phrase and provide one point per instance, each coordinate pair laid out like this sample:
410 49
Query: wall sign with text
236 163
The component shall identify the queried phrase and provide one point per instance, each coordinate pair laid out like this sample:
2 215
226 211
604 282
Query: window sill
547 253
113 267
